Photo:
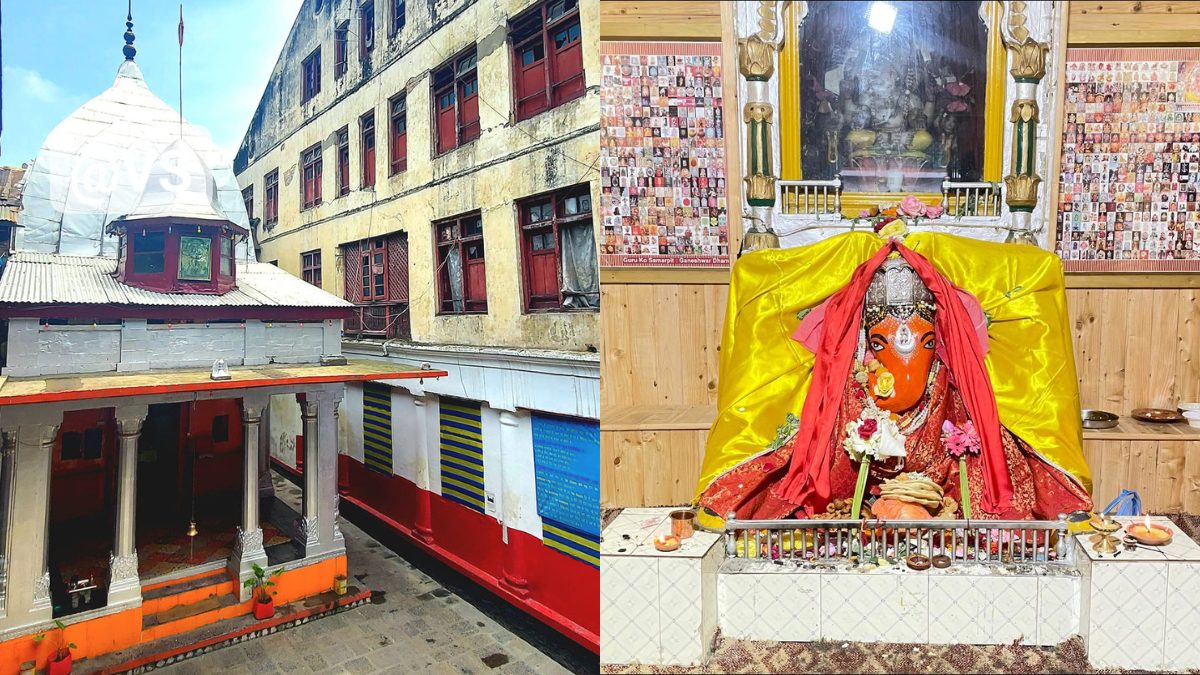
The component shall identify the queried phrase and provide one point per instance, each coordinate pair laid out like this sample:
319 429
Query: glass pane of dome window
226 256
893 105
195 258
149 252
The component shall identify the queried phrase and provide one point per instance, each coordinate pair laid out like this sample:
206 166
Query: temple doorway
82 508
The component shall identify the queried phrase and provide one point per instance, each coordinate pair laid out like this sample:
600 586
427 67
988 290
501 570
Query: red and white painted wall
494 470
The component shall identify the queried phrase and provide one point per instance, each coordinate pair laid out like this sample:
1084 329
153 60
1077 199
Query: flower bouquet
874 435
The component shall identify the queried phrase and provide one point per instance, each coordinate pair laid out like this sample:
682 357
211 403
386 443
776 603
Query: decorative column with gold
1027 59
756 63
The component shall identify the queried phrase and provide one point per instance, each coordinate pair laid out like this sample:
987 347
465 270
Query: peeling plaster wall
510 160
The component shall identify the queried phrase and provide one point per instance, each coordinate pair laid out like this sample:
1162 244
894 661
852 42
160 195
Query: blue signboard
566 455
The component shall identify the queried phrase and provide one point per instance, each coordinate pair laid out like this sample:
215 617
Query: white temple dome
95 165
179 185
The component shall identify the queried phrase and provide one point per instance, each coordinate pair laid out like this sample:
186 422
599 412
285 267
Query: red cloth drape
807 483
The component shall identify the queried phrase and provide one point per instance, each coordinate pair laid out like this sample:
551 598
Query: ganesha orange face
905 349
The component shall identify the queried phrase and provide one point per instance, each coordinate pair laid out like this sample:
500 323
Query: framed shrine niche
893 97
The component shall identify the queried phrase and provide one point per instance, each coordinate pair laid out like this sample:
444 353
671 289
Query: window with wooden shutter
311 185
343 160
558 251
547 57
456 102
367 132
312 76
461 264
341 38
271 199
398 147
310 267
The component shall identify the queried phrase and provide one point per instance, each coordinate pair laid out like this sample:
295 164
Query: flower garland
960 442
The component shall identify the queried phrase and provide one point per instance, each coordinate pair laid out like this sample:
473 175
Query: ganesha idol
899 369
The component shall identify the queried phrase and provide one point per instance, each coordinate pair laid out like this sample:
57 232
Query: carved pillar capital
1028 60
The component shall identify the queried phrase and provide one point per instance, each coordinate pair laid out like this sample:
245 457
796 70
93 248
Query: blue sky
60 53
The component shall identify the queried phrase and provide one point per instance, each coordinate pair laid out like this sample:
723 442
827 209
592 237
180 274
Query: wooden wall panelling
695 20
1136 21
649 468
1166 474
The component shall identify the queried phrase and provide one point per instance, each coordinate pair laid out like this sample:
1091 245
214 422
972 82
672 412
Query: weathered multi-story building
433 162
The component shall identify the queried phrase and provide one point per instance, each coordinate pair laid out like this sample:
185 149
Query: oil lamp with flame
1150 534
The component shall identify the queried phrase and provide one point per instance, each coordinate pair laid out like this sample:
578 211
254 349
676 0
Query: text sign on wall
566 456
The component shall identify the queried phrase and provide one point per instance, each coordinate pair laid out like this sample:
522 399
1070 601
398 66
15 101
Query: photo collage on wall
662 155
1130 161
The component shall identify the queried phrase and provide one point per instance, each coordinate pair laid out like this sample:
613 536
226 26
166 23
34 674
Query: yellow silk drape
765 374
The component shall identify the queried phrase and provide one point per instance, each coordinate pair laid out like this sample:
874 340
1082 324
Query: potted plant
60 660
261 583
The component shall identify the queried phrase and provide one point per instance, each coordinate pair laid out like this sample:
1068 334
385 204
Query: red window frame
366 128
456 102
547 57
398 147
366 30
310 267
541 245
248 201
310 186
399 17
373 267
465 234
343 160
341 49
271 197
312 76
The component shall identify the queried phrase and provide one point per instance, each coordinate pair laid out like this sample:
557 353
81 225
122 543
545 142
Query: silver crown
896 290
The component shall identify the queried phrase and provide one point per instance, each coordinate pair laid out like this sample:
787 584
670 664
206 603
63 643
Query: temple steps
159 598
182 617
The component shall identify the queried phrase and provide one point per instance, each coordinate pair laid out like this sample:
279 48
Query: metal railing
820 198
963 541
971 199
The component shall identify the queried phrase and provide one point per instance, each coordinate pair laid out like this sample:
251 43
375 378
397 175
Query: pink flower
869 426
911 206
957 106
960 440
958 88
864 214
933 212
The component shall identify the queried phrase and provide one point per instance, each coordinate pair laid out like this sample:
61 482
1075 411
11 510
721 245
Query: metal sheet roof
50 279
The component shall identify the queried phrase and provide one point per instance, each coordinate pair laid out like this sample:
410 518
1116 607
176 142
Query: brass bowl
1099 419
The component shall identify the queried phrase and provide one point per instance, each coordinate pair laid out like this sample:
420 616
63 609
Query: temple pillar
1027 59
756 63
8 446
27 600
248 546
308 519
423 527
124 586
266 486
515 578
319 522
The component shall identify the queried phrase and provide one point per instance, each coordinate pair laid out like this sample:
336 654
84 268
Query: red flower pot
264 610
60 667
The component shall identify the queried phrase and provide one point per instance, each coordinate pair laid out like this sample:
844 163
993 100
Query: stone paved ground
414 624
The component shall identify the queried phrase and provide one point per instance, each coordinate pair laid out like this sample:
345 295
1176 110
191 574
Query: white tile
679 611
735 604
882 607
787 607
1182 646
1084 565
1013 609
710 567
627 532
960 604
628 610
1127 618
1059 599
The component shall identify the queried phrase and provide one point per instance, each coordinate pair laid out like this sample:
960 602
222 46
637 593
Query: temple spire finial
129 50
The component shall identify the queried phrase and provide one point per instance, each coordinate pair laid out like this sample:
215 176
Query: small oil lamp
1103 542
1150 534
666 542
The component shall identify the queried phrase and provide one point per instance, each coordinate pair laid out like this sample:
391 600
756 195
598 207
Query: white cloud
31 84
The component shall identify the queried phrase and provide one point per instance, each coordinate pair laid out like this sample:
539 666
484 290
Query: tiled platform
1141 609
1138 610
656 607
